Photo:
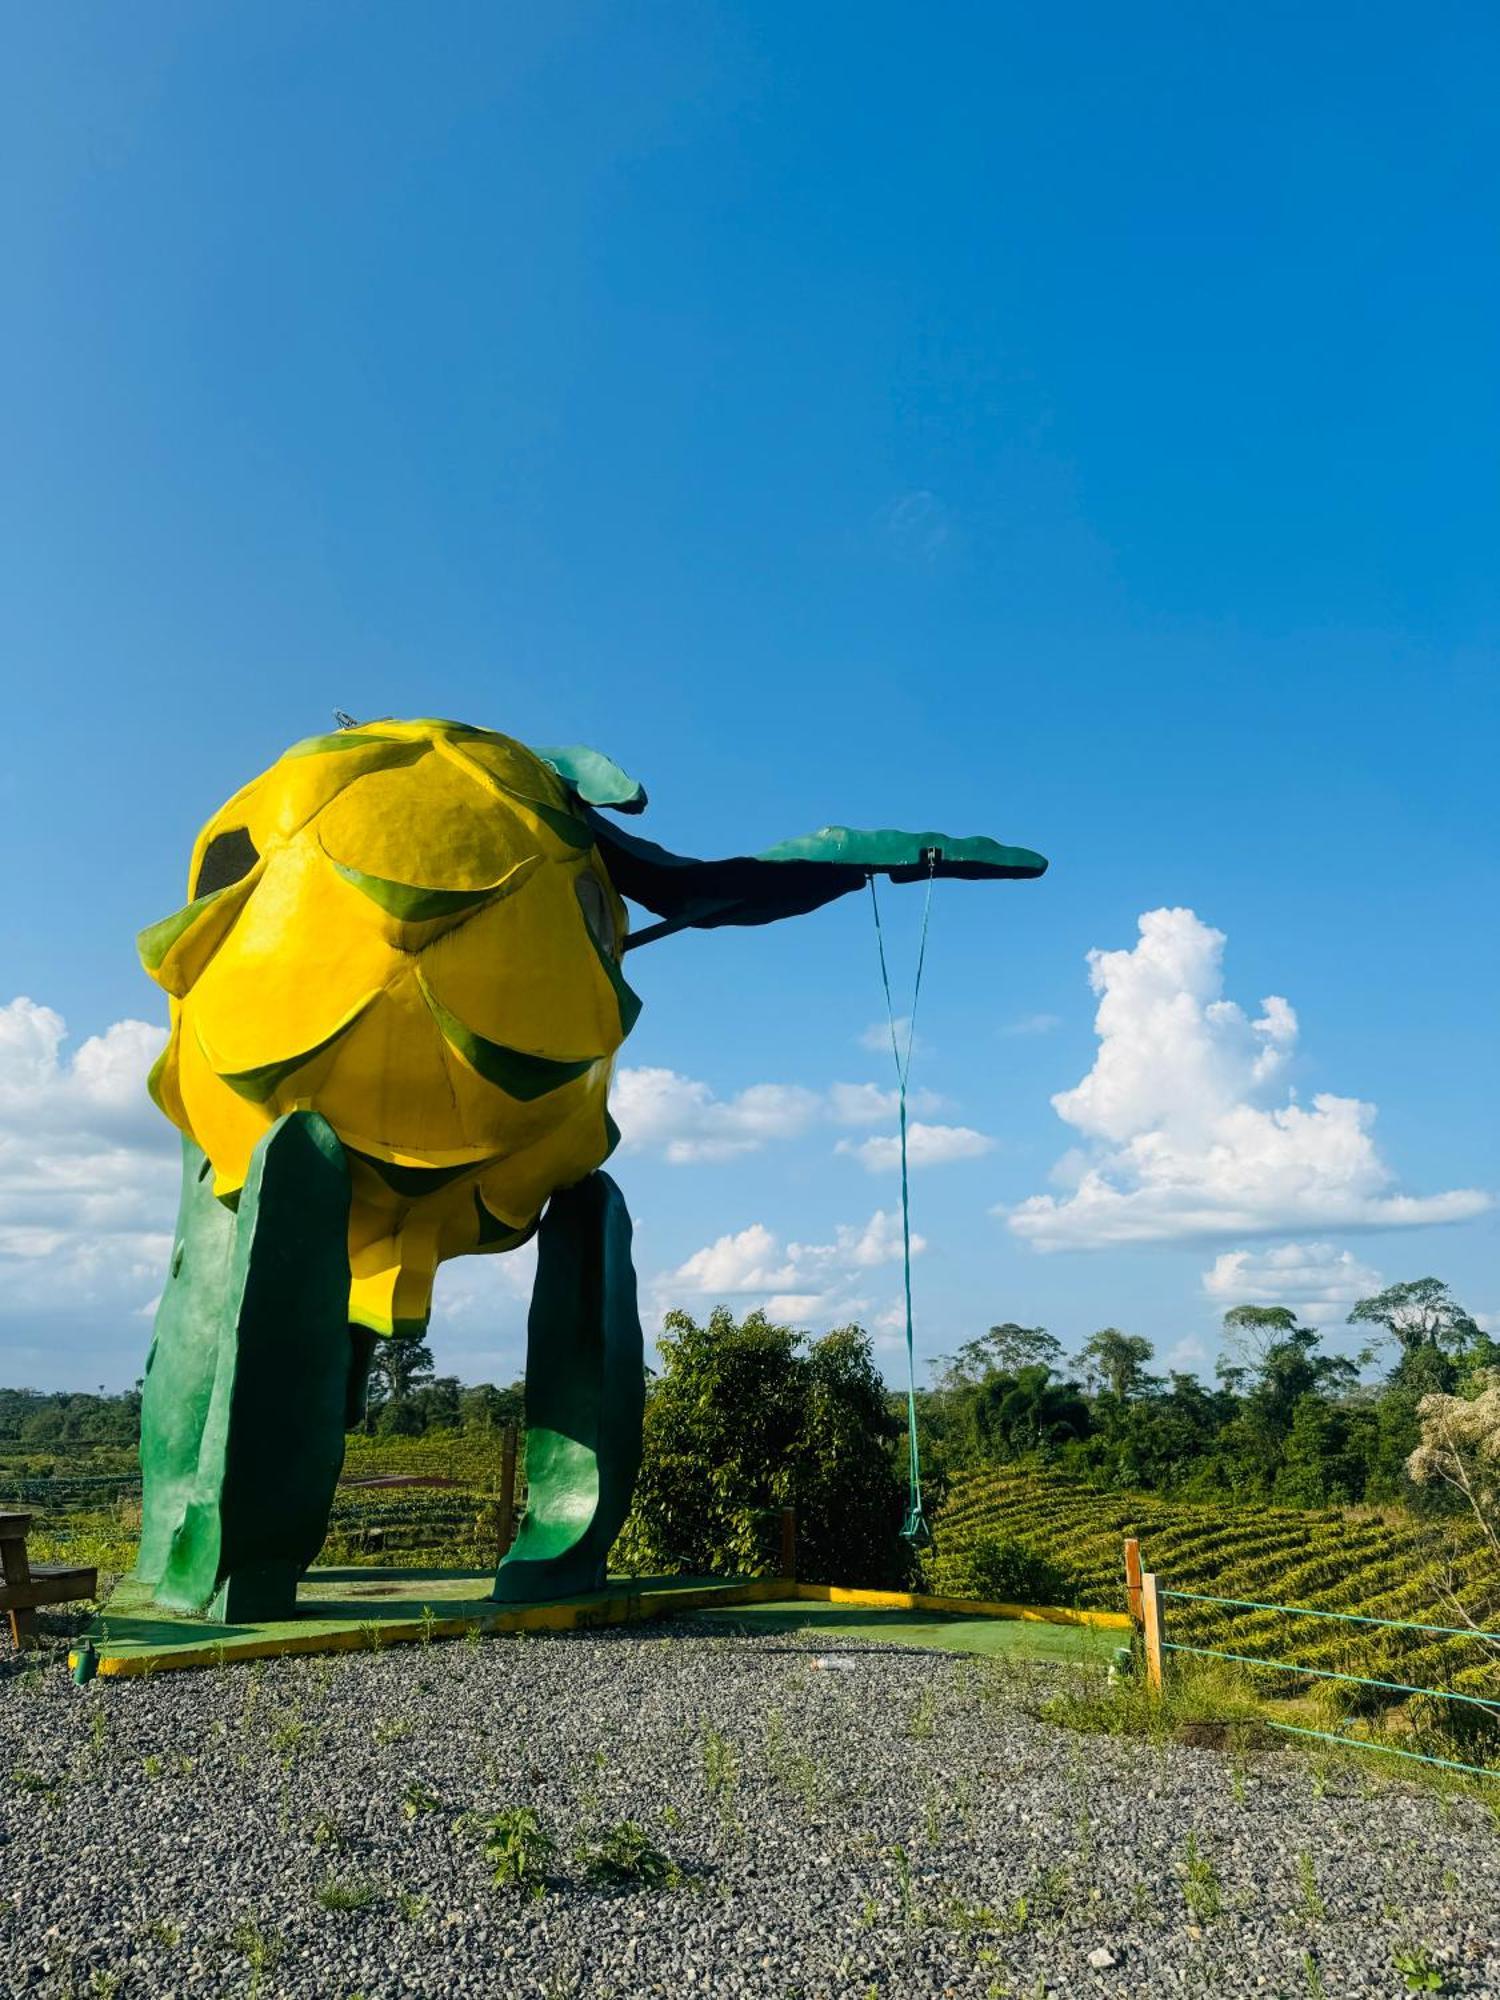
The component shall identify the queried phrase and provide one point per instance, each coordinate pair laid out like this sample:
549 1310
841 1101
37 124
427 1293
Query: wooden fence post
507 1488
789 1541
1133 1579
16 1569
1152 1621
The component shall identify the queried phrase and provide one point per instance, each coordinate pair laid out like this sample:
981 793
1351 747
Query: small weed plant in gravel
1200 1884
519 1850
339 1893
721 1765
260 1949
623 1856
923 1722
35 1785
290 1734
793 1768
418 1799
1418 1969
911 1914
1310 1897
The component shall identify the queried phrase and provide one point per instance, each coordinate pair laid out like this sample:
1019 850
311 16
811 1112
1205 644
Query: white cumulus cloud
926 1146
88 1178
660 1110
816 1282
1190 1129
1318 1281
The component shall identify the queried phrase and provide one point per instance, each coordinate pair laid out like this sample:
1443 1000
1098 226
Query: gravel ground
864 1821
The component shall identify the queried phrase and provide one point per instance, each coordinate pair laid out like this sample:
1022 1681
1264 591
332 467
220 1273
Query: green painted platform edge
621 1604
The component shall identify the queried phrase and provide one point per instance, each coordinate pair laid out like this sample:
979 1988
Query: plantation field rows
1328 1560
87 1504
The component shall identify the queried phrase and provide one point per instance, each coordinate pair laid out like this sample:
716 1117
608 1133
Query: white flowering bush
1461 1447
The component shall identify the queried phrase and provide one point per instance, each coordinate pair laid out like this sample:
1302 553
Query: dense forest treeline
1285 1420
772 1414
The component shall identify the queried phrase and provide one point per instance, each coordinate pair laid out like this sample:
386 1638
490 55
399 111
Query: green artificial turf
1026 1638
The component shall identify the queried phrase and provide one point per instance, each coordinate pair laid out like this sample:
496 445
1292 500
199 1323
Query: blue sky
1081 430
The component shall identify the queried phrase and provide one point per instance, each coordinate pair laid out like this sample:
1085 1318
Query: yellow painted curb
964 1607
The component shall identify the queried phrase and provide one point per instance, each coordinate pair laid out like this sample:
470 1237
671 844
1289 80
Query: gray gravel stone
904 1825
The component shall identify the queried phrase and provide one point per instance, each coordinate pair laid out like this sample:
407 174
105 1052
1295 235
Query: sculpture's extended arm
792 878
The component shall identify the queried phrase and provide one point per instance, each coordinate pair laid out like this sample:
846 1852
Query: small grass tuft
1200 1884
344 1892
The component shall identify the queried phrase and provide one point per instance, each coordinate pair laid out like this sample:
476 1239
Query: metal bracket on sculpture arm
585 1397
242 1417
793 878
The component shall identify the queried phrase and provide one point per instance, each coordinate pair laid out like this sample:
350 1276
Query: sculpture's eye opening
228 857
597 914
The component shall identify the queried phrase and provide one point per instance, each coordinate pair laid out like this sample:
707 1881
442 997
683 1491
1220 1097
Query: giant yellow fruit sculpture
396 998
407 929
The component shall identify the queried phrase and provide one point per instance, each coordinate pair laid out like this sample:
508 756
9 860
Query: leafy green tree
1004 1350
848 1495
747 1417
1317 1468
486 1408
1026 1412
399 1367
1117 1362
1163 1441
1419 1313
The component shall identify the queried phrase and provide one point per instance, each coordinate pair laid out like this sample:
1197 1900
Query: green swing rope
914 1528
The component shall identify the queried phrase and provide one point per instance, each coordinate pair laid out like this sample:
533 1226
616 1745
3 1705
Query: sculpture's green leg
242 1417
585 1395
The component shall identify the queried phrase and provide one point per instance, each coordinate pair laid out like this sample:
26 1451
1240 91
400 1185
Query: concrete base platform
357 1608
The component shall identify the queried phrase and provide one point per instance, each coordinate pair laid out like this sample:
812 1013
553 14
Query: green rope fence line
1349 1617
1386 1749
1327 1674
1355 1680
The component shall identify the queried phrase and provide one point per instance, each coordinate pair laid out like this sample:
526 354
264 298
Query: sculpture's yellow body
406 928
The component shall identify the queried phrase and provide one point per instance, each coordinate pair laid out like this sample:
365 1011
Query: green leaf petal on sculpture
515 1071
260 1084
630 1002
412 903
597 779
572 832
156 940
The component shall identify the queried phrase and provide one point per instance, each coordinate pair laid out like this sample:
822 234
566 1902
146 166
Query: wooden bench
23 1588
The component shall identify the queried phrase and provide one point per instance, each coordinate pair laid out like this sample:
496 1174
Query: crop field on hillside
1330 1560
87 1503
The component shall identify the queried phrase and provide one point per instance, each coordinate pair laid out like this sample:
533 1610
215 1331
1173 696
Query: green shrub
748 1417
1001 1570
